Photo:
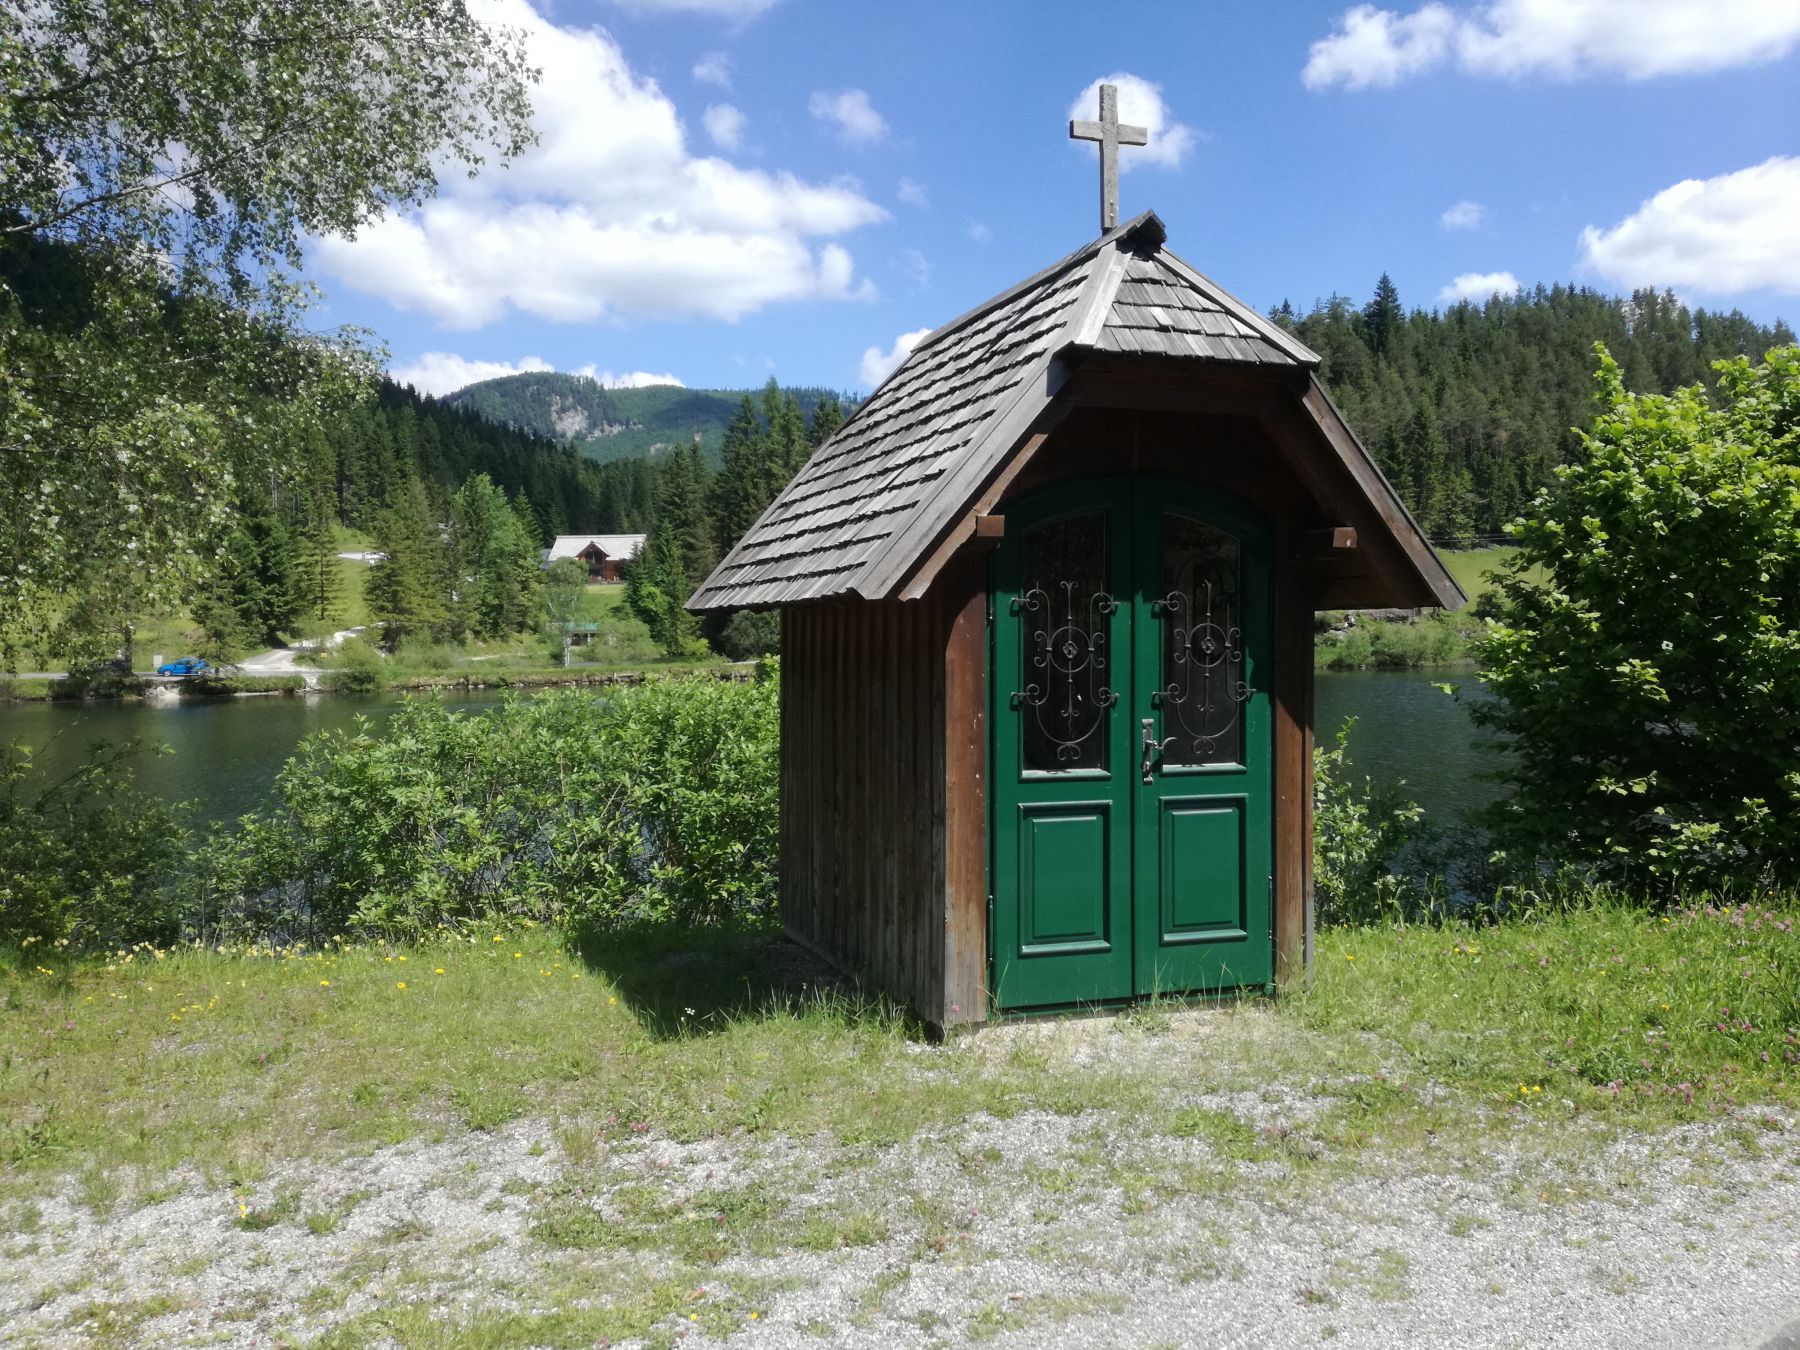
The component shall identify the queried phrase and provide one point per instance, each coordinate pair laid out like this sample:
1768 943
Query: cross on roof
1111 135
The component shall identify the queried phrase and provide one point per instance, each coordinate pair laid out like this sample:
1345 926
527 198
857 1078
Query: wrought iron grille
1203 689
1064 611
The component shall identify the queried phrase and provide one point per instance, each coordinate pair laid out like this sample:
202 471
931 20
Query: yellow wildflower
399 984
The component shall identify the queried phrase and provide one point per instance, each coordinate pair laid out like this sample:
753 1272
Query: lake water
228 751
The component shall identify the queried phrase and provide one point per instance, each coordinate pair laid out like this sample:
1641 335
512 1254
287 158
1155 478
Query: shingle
886 473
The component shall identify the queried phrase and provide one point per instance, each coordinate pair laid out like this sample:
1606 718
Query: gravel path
1035 1230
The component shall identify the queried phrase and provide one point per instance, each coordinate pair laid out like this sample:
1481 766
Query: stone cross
1111 136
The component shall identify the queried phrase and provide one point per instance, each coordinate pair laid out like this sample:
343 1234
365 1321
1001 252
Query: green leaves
656 803
1649 684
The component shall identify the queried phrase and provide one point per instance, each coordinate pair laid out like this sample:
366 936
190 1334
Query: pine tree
827 417
681 501
1382 317
406 588
737 491
317 581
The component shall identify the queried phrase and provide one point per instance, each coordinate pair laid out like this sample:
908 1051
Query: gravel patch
1037 1229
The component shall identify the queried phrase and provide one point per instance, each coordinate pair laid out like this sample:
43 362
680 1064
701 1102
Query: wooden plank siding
870 765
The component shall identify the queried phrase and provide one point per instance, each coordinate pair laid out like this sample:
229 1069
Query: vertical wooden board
784 807
1293 768
919 712
965 713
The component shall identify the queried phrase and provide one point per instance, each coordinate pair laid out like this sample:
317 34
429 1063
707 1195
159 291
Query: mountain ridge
612 424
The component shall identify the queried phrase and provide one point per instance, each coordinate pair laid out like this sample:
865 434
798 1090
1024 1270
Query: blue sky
728 189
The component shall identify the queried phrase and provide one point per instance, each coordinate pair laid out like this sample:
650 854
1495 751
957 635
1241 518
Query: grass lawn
505 1138
151 1058
1469 566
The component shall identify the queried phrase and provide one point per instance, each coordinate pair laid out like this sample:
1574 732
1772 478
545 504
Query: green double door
1131 789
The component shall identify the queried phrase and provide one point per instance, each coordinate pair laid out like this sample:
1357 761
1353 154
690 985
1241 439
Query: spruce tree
406 591
827 417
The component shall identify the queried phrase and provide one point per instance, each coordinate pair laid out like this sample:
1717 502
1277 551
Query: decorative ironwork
1204 690
1068 700
1065 612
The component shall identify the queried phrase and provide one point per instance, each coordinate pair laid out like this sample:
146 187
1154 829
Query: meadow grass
228 1060
1470 567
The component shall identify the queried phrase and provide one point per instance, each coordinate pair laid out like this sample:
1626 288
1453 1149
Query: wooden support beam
1312 544
989 530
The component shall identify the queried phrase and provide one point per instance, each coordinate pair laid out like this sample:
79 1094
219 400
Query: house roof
876 498
612 545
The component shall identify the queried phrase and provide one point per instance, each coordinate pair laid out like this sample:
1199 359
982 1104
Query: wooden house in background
1047 607
604 555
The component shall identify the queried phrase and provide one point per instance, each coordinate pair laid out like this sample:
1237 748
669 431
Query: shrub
217 682
622 640
417 652
1433 639
748 635
354 666
1360 834
651 803
86 858
1648 680
98 682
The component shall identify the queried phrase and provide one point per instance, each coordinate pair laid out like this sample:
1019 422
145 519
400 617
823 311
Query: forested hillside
403 435
612 424
1468 409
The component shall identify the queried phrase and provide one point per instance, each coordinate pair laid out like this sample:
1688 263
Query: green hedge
654 802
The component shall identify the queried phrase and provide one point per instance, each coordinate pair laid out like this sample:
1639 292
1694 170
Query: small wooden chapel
1047 610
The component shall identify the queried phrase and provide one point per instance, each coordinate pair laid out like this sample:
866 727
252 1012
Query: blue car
187 665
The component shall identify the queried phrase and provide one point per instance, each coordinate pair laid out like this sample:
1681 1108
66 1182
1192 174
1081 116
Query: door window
1065 682
1202 692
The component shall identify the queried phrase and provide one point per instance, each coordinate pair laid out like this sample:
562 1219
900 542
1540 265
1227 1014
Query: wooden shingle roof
874 498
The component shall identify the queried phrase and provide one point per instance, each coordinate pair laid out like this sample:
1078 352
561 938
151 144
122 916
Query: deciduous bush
354 666
1360 834
1648 682
85 857
649 803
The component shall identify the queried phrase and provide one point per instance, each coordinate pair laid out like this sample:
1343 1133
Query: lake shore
136 688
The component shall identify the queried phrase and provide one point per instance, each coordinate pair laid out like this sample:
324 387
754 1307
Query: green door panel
1203 823
1061 823
1200 877
1127 610
1064 888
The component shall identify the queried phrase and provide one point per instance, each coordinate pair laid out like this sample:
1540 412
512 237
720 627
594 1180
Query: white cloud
608 214
913 194
738 11
1463 216
877 365
1478 286
1637 39
979 232
631 379
725 124
1377 47
850 111
1140 104
1736 232
714 68
441 373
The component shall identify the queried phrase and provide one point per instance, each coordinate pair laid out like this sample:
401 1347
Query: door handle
1152 748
